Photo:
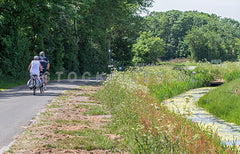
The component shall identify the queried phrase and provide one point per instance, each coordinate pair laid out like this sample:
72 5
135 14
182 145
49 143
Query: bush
232 75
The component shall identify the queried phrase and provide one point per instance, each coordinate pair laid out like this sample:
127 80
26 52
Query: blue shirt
44 62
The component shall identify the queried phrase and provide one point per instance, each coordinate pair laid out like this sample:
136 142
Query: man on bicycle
45 65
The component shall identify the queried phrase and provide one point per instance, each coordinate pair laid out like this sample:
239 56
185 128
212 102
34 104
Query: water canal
186 104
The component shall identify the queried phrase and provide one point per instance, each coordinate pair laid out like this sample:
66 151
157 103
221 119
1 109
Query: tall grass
134 98
228 70
223 102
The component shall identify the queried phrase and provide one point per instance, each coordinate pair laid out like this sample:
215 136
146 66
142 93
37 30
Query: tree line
76 35
191 34
88 35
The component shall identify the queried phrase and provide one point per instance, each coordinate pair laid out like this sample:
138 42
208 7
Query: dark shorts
44 72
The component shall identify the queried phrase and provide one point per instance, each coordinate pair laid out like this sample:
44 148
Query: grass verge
6 84
223 102
71 123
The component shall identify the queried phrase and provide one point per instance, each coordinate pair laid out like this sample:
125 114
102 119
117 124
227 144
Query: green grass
72 122
92 109
86 139
80 132
224 102
6 84
148 127
228 71
95 110
95 141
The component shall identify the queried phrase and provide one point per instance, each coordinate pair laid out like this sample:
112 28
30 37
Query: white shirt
35 67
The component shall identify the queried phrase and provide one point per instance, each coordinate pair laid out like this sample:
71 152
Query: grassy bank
71 123
134 98
223 102
9 83
228 70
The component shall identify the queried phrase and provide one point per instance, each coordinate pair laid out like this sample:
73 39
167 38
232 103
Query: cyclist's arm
48 66
40 67
29 66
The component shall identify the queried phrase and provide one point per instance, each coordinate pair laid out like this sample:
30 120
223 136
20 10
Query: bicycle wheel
34 87
34 90
41 90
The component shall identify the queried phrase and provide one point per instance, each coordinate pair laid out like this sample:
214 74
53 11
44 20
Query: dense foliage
147 48
75 35
196 35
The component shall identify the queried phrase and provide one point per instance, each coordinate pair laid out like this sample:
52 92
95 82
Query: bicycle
41 86
36 84
43 76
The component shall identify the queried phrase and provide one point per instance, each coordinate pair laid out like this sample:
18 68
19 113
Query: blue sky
223 8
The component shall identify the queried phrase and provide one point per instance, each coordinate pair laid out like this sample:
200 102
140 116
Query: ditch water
186 104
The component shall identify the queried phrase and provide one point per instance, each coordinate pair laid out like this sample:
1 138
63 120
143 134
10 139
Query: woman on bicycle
34 68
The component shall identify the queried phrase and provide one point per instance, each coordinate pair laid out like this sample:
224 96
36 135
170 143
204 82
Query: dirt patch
71 123
178 60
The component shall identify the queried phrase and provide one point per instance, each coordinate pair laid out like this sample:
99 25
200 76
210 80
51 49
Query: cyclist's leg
40 81
45 78
31 76
30 81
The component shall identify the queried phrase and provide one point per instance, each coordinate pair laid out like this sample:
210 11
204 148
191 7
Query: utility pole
109 52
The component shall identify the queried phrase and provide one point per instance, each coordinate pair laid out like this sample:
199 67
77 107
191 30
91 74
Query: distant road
18 106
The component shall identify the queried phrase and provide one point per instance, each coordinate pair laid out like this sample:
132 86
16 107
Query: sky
222 8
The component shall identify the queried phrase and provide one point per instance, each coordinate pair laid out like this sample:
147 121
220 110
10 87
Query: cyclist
34 68
45 65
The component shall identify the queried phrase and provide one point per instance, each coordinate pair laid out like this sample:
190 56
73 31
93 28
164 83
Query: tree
197 44
195 34
148 48
172 26
122 52
215 40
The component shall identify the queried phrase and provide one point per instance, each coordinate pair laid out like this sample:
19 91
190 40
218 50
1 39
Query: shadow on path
54 89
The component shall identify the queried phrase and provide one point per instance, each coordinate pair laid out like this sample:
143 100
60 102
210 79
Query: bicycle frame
34 84
41 87
34 79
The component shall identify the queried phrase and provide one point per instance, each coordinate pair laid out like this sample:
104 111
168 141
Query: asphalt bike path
18 107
